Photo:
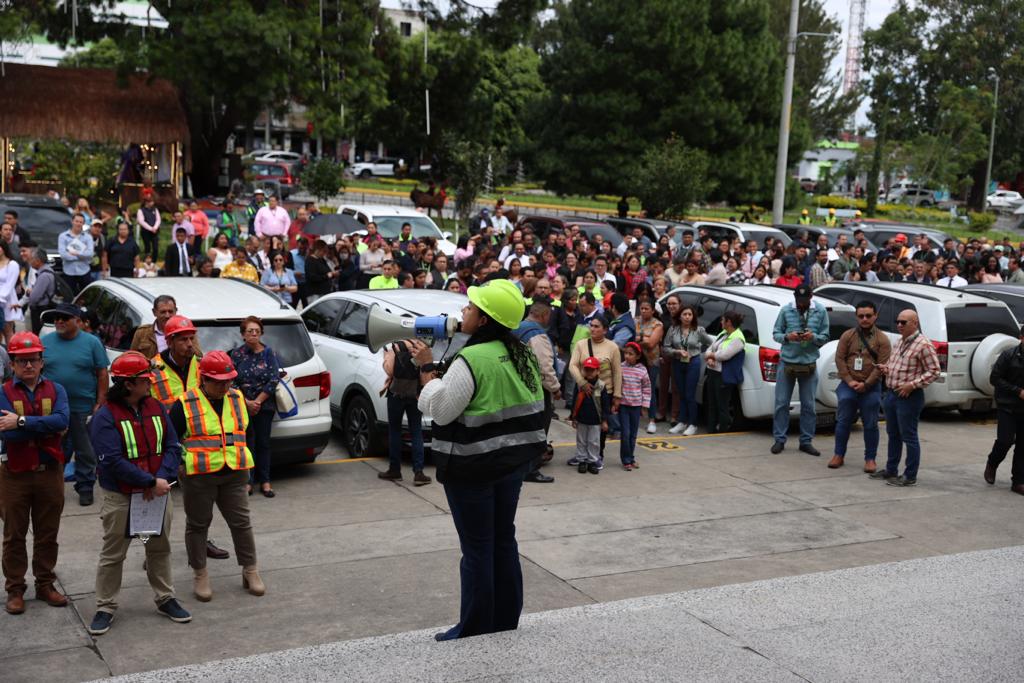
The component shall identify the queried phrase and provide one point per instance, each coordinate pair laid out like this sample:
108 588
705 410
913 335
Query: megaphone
383 327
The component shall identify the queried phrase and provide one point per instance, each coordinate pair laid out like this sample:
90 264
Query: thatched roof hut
89 105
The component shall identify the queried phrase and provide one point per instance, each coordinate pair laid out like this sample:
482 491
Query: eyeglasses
902 322
252 331
61 318
28 361
865 316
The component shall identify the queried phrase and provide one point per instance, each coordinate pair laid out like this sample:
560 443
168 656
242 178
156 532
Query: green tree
670 178
623 76
324 178
104 54
468 164
85 170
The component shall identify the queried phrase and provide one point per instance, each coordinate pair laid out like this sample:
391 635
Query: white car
217 307
968 331
1004 199
720 230
760 307
274 155
337 325
382 166
389 220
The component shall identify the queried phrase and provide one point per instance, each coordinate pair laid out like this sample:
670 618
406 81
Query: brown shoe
51 596
215 553
836 462
990 474
1018 488
420 479
15 603
869 466
390 475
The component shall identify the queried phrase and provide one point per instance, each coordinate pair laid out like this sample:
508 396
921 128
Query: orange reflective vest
212 441
168 387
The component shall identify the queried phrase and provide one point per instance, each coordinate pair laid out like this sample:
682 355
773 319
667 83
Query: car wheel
359 427
365 173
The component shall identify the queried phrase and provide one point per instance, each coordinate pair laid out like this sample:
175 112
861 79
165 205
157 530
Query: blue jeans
901 418
784 394
629 416
851 403
492 578
85 458
257 438
396 408
685 377
653 371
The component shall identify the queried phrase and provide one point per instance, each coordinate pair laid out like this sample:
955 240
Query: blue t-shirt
73 363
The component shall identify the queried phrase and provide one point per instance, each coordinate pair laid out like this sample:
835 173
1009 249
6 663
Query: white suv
217 307
389 220
337 324
968 332
760 308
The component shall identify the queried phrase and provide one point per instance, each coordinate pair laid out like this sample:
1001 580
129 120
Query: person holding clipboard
139 455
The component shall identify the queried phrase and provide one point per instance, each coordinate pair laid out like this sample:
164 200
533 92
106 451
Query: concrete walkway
951 618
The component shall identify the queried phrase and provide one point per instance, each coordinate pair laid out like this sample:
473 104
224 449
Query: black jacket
171 262
1008 379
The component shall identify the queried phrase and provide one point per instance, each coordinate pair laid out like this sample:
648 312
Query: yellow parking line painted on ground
339 460
664 438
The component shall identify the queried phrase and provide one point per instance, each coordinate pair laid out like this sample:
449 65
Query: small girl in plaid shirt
636 396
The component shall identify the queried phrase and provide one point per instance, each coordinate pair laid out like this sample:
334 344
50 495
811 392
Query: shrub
980 221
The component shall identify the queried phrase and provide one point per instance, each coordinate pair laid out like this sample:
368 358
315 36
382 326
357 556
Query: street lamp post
992 137
782 156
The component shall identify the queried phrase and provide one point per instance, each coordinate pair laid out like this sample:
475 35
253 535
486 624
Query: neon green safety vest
501 429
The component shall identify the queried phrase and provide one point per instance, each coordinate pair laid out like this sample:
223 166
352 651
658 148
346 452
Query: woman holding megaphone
488 425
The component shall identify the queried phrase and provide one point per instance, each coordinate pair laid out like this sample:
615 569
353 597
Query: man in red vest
34 415
139 453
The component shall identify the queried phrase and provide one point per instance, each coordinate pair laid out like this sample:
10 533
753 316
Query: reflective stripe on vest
213 441
132 446
168 388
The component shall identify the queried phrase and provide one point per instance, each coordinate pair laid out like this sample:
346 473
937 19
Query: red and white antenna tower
854 45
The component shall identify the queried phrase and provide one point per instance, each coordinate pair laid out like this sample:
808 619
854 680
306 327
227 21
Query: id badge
858 364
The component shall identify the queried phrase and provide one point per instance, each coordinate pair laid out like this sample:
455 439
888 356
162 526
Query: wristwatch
21 422
428 367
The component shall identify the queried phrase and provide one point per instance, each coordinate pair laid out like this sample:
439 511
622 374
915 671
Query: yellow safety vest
212 441
167 387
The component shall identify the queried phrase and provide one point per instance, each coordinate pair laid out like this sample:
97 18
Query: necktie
950 283
183 258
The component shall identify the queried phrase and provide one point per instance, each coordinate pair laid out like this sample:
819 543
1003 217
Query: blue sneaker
100 623
573 461
173 611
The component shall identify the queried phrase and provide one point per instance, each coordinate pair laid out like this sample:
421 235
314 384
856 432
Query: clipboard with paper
146 517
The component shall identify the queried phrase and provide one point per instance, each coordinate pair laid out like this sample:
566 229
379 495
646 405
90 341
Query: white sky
877 10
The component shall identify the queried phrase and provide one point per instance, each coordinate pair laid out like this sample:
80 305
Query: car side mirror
446 234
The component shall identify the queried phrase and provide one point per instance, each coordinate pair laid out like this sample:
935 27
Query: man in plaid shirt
912 366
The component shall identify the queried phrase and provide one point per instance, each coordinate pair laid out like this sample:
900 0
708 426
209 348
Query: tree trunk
978 194
207 146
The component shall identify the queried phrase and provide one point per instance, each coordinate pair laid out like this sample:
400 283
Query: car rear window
288 338
44 224
974 322
839 322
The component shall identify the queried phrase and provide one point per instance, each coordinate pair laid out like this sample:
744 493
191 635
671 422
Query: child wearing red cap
589 418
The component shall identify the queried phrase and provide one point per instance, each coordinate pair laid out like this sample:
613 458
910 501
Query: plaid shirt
913 360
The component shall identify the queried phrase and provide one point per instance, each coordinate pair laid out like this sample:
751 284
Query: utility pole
781 161
426 96
991 140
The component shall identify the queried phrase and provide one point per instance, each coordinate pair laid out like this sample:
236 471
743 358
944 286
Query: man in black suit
177 260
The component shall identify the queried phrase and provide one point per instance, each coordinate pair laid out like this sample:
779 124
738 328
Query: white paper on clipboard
146 517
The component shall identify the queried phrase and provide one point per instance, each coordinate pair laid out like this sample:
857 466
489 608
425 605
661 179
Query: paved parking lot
345 555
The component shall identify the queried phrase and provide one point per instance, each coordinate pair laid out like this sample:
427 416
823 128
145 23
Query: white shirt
183 266
501 224
161 340
524 260
956 282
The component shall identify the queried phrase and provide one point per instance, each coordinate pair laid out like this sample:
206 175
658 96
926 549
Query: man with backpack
403 388
533 333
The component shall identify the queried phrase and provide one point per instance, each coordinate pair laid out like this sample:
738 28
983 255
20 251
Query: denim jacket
791 320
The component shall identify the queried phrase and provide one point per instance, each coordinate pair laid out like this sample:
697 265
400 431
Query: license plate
825 420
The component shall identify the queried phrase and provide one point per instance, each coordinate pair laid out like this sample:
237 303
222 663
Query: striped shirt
913 360
636 385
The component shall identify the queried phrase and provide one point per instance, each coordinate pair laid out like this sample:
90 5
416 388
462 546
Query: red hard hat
24 343
217 365
130 365
901 238
178 324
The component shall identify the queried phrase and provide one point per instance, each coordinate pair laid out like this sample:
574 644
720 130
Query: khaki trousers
226 488
37 498
114 516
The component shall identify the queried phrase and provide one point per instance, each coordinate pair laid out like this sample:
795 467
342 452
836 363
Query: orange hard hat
217 365
132 365
24 343
178 324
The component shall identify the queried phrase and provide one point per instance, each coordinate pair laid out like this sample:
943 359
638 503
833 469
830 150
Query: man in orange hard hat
34 413
211 420
176 370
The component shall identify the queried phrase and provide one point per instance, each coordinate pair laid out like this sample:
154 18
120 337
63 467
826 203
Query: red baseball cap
592 363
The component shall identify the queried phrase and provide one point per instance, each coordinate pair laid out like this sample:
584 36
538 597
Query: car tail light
769 361
322 380
942 348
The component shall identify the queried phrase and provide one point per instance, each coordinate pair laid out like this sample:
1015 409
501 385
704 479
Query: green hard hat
501 300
